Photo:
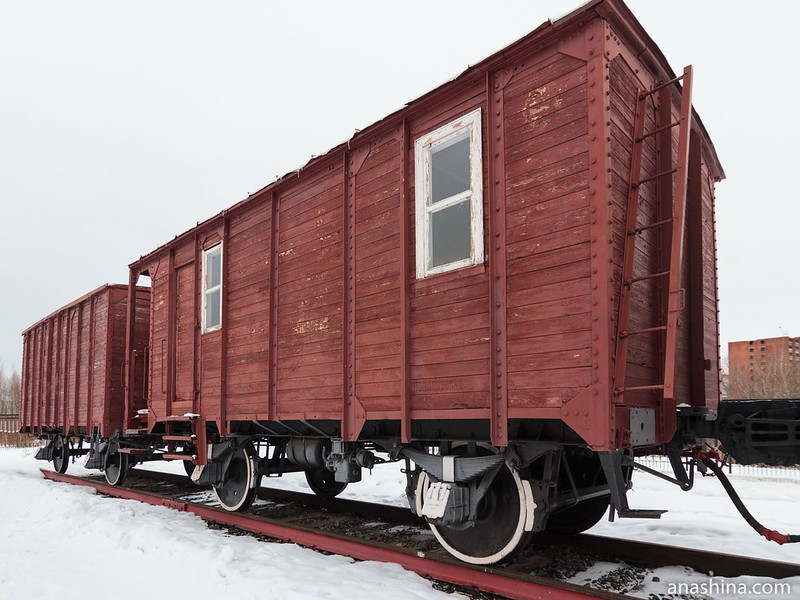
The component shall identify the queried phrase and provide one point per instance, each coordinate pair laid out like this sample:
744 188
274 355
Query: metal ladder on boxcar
195 437
676 298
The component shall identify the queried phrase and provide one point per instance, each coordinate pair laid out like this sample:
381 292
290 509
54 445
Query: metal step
188 457
179 438
181 418
641 513
138 431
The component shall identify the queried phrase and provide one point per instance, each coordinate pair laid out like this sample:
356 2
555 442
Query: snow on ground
59 537
705 518
60 540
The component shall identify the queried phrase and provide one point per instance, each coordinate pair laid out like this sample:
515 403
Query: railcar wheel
587 472
499 531
323 483
117 467
578 518
60 453
188 466
240 486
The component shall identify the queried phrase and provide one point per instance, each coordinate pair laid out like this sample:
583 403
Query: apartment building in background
764 368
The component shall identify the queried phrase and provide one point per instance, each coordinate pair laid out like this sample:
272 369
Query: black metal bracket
682 479
619 483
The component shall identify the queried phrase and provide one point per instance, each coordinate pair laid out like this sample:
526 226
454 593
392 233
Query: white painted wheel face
238 492
116 468
504 517
60 454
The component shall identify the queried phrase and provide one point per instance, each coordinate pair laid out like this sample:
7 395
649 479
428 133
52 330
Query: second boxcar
73 372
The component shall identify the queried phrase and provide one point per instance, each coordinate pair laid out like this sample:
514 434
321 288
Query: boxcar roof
614 11
94 292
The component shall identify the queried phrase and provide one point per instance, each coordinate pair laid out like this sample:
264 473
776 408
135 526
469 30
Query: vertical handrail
676 300
623 317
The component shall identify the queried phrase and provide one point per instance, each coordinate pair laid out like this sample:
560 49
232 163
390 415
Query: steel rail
499 580
518 586
635 553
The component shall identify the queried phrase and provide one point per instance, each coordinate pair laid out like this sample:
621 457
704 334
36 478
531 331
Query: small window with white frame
212 288
449 197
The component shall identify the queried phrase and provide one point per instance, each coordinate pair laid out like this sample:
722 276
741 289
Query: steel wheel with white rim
502 525
116 467
240 486
586 472
60 453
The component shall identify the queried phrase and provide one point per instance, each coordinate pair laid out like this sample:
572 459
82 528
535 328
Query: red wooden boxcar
328 311
523 257
510 282
73 366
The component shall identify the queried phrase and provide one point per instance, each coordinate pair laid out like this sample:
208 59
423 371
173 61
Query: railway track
368 531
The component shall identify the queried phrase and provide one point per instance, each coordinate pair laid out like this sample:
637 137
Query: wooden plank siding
324 317
73 364
549 308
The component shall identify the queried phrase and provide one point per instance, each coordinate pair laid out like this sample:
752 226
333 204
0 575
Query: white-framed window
212 288
449 196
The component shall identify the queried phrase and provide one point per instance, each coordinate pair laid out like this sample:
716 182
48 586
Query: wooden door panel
184 336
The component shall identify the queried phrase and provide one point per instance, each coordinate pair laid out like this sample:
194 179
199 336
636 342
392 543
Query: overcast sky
124 123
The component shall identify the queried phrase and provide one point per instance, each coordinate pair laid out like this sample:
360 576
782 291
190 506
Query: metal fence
661 463
9 425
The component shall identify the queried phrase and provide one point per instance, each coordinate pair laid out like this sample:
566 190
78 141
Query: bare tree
9 391
725 378
777 379
4 399
14 391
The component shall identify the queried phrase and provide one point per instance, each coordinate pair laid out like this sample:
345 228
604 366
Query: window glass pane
213 309
450 170
450 234
213 270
